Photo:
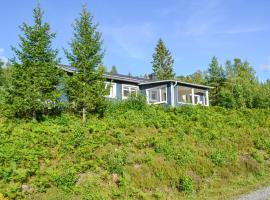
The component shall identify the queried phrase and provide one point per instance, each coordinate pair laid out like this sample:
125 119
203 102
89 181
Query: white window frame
130 87
186 96
193 96
159 89
112 90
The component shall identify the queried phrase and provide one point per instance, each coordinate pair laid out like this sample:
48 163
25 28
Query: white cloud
2 57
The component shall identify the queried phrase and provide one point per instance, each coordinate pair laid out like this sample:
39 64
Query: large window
157 95
112 92
200 97
129 90
184 94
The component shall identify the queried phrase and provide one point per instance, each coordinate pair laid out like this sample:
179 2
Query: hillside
136 152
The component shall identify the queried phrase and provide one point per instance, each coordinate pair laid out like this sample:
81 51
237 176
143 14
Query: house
168 92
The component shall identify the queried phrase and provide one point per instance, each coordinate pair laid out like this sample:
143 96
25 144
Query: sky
193 30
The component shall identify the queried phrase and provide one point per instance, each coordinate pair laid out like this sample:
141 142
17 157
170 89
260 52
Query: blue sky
193 30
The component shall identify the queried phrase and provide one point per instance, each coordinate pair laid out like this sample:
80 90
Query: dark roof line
133 79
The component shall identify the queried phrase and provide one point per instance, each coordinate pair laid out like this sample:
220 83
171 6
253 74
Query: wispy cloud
210 17
132 39
203 17
2 57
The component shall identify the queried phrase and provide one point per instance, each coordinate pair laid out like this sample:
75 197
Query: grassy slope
189 153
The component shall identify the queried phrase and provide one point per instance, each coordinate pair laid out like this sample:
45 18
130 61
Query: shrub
258 156
115 161
218 158
186 185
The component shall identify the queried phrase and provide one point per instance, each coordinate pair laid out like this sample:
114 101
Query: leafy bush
218 158
186 185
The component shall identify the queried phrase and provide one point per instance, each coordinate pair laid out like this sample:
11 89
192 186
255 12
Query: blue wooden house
169 92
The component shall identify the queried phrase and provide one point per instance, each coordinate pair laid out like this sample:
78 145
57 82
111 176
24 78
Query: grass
136 152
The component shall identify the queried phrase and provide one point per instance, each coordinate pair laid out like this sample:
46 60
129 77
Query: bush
186 185
218 158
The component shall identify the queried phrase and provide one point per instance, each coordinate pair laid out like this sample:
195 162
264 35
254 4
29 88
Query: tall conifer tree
162 63
215 78
33 83
86 88
114 70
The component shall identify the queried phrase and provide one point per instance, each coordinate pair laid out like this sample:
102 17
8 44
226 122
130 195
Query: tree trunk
84 115
34 115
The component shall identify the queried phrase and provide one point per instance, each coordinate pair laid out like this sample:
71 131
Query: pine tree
162 63
114 70
33 83
215 78
86 89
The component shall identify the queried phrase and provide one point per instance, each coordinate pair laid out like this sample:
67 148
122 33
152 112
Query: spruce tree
114 70
34 77
86 88
215 78
162 63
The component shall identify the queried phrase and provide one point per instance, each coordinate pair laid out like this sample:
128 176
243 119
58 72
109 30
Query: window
184 94
112 92
154 95
157 95
163 94
200 97
129 90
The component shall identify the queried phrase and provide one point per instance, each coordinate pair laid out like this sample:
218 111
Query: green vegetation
136 152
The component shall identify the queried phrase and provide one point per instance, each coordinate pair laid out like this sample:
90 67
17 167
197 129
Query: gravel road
261 194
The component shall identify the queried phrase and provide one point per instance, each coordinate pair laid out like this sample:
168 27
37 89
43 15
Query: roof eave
163 81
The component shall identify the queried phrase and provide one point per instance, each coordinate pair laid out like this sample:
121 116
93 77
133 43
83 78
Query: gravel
261 194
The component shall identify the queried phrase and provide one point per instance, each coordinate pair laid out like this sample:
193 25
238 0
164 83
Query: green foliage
86 88
241 84
134 152
198 77
32 87
186 185
1 73
162 62
218 158
116 161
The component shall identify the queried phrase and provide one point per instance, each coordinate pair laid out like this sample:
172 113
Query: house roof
175 81
134 79
68 68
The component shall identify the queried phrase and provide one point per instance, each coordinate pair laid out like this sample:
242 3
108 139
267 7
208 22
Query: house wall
119 86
